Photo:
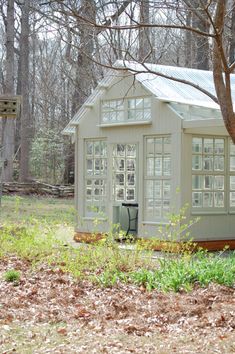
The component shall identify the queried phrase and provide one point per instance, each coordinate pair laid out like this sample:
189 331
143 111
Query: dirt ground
49 312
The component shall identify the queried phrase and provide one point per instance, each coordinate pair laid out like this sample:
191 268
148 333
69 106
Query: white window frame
127 105
93 178
162 177
200 210
231 154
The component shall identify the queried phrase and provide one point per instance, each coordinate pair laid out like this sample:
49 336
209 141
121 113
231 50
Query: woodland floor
50 312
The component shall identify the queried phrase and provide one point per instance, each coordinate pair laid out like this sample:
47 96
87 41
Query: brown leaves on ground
122 319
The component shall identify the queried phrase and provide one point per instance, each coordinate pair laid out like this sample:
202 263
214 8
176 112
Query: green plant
12 276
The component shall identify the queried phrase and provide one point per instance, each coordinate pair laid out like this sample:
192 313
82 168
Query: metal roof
171 90
163 88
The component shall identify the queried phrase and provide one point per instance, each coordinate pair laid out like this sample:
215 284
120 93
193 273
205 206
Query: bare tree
210 27
8 129
25 131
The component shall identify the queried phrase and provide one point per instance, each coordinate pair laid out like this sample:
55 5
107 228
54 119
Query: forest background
54 52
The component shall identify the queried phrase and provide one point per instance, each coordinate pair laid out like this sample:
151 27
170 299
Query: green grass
12 276
45 209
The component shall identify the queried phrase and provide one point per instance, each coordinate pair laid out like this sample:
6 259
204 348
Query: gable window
112 111
124 172
126 110
95 177
139 109
208 173
157 188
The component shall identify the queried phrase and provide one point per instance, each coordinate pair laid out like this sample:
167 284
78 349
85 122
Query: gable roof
165 89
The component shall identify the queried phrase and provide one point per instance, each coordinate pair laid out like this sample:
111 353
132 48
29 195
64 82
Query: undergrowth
108 265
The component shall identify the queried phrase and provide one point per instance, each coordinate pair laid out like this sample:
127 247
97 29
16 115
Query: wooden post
9 108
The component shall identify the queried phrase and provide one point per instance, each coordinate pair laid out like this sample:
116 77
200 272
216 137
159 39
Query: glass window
127 109
157 193
208 173
95 177
232 174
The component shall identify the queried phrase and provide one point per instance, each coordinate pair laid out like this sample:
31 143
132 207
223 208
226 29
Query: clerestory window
126 110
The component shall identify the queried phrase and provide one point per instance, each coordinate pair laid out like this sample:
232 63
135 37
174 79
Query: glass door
124 173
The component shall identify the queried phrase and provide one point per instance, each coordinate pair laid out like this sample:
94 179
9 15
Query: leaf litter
51 312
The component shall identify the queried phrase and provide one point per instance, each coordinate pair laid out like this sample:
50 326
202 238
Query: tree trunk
8 128
144 40
84 67
25 112
222 83
232 36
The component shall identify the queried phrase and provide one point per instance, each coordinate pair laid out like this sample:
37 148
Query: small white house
148 145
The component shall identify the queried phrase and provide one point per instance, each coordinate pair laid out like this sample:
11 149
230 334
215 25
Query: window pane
232 163
139 103
166 189
89 148
150 147
158 208
149 189
89 167
208 146
131 103
120 194
119 164
232 183
232 148
131 150
120 150
232 199
150 167
131 179
158 146
219 199
131 115
149 207
166 206
120 179
208 182
147 102
197 145
207 199
130 165
196 162
197 199
120 116
197 182
167 146
130 194
219 182
89 194
157 189
218 163
167 166
208 163
158 166
147 114
139 115
97 148
97 166
219 146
